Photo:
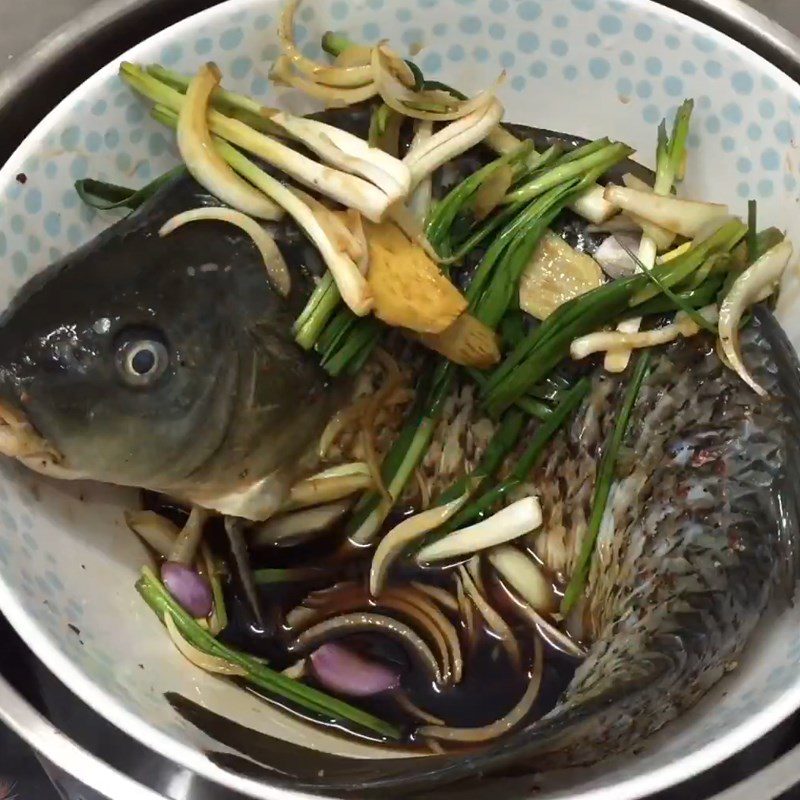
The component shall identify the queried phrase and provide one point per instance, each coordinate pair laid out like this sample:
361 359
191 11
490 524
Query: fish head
120 355
166 363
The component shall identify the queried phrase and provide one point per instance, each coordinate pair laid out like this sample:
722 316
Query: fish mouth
20 440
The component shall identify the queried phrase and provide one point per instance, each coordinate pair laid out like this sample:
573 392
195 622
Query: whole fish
169 364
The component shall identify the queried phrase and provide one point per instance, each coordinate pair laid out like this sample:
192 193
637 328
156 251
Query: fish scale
690 547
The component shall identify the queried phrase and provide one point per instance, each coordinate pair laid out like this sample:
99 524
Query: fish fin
788 378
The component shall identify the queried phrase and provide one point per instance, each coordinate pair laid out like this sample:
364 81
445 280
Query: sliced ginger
467 342
409 289
556 273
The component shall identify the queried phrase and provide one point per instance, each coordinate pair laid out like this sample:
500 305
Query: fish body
228 405
700 536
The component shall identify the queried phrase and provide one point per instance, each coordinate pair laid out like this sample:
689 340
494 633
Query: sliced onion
453 140
413 710
440 595
277 270
206 662
756 282
546 629
410 103
494 620
346 672
335 483
502 725
512 522
334 96
401 536
523 574
297 526
465 608
157 531
423 602
362 622
185 547
202 160
348 597
189 588
614 255
357 55
345 76
603 341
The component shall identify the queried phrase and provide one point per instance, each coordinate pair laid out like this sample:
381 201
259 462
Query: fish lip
20 440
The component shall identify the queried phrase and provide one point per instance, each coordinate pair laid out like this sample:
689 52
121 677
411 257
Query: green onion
106 196
605 477
318 310
674 298
567 168
156 596
546 346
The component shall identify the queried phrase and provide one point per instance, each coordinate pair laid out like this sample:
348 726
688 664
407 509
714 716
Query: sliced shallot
277 270
401 536
363 622
347 672
506 525
203 161
188 587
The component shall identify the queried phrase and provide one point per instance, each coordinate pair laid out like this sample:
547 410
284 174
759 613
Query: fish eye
141 359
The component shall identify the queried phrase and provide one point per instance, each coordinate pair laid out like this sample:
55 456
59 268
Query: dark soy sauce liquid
491 685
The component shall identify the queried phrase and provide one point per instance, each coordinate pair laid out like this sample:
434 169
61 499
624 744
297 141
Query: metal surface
29 87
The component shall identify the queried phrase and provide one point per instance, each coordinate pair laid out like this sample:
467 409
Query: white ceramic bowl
591 67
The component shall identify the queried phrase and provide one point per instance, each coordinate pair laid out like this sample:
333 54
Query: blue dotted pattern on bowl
596 67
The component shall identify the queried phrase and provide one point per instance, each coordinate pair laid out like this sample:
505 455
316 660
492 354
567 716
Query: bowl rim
724 17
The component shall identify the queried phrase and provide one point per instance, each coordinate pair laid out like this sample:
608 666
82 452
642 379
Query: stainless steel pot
28 91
